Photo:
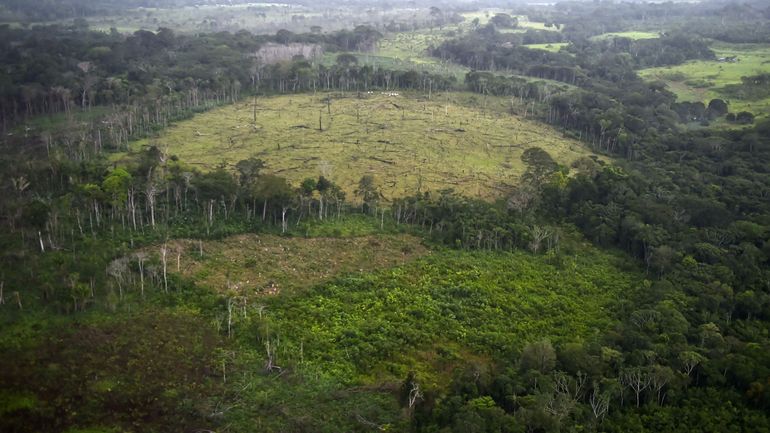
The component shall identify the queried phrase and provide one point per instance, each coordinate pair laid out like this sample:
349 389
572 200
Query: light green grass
635 35
525 23
482 15
552 47
701 80
455 140
409 51
485 15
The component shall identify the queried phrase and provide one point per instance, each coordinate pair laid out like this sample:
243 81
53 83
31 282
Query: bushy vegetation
355 340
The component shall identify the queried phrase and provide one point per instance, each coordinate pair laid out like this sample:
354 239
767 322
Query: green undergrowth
109 372
635 35
375 305
345 346
553 47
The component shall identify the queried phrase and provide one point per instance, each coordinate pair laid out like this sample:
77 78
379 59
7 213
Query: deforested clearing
470 143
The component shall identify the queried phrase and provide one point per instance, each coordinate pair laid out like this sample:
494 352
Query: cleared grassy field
409 144
635 35
254 265
552 47
701 80
409 51
525 23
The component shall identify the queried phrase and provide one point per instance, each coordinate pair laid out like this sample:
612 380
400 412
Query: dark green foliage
744 117
150 369
751 88
504 21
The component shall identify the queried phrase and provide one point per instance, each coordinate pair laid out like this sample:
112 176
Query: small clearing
256 265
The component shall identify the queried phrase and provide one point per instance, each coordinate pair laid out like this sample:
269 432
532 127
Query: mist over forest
365 216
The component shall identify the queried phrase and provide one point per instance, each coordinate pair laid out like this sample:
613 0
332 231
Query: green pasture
701 80
635 35
409 51
552 47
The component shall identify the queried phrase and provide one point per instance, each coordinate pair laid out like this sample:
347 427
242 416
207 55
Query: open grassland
486 14
408 144
254 265
525 24
409 51
701 80
552 47
350 342
635 35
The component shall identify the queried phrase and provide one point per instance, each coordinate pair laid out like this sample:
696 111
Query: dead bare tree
141 256
415 394
89 80
600 403
117 269
163 254
538 235
151 191
270 349
638 379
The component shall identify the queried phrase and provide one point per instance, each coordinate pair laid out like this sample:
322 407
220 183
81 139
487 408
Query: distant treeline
48 10
722 20
53 69
613 107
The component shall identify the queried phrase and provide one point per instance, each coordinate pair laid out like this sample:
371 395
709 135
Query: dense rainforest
626 291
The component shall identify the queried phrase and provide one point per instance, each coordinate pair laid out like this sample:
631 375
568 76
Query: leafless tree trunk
270 365
229 317
152 191
636 379
414 395
600 403
163 254
538 235
141 257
